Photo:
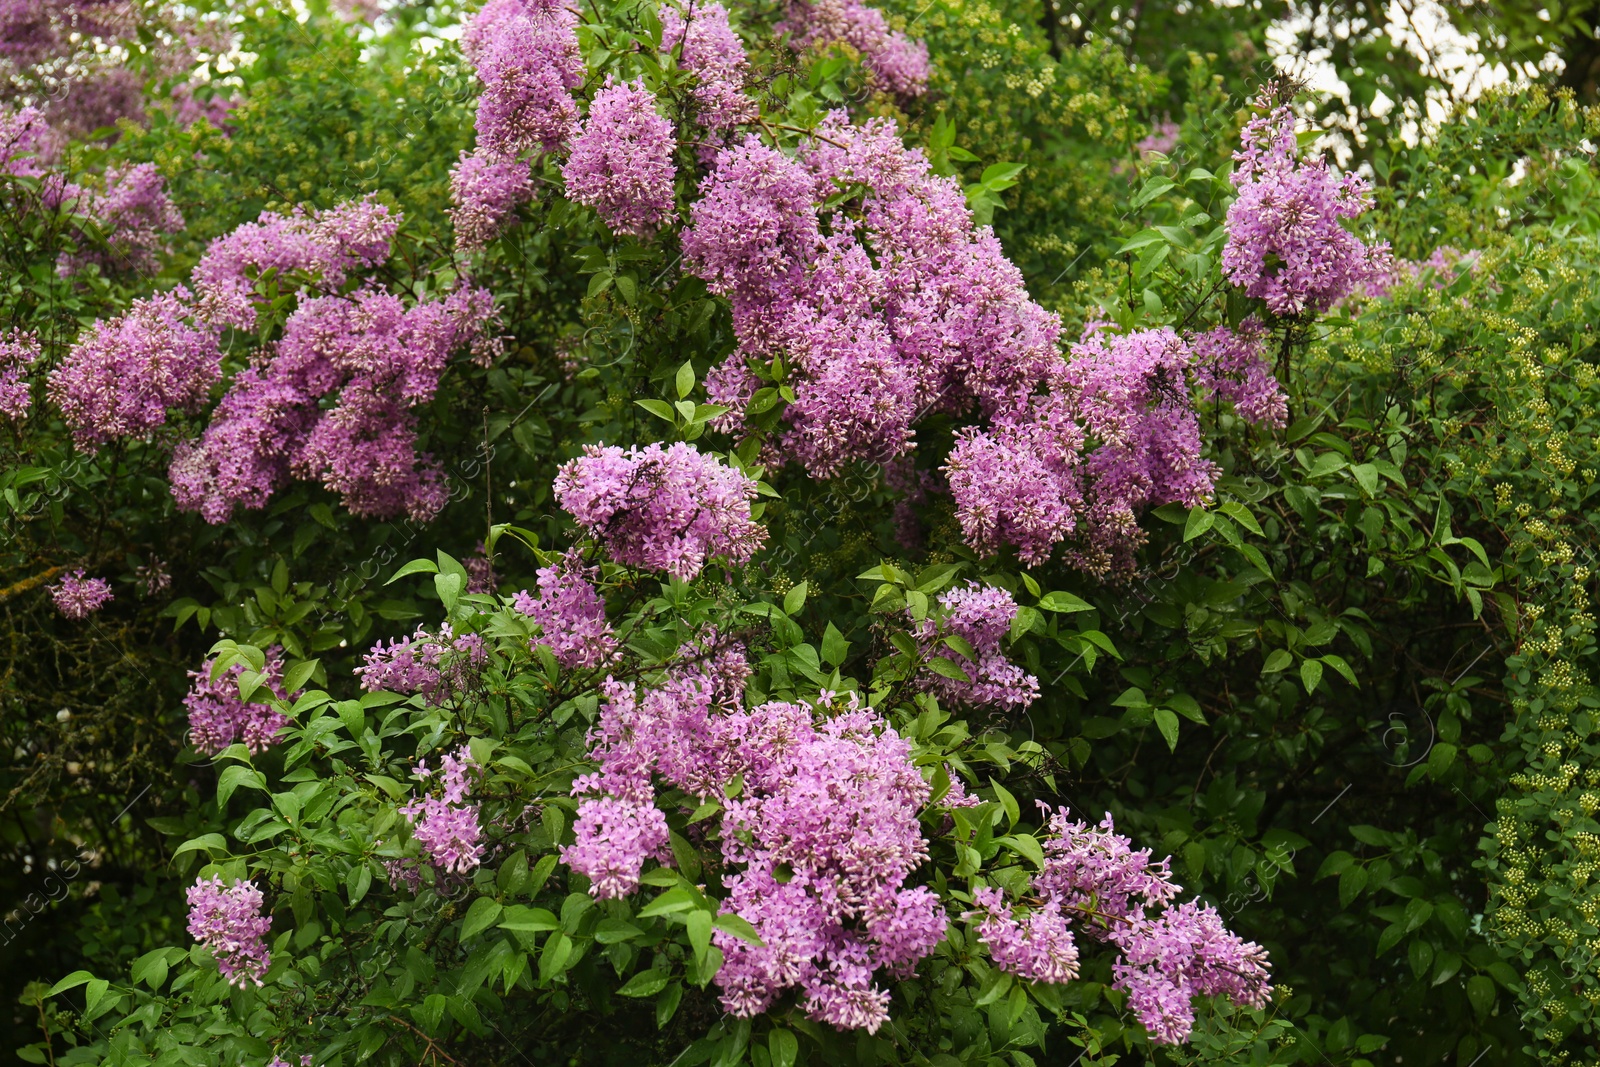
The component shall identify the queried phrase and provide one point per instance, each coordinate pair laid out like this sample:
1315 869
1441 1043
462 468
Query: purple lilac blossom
219 718
981 616
526 55
135 215
18 352
713 53
621 160
1231 365
485 192
669 509
123 374
77 597
1287 244
447 825
1168 953
227 919
327 245
379 359
896 63
818 844
437 666
570 614
909 309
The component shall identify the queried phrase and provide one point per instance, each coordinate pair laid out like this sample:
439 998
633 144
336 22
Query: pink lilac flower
123 374
1287 244
981 616
1163 138
1019 482
480 570
326 246
447 825
895 62
378 360
1231 365
1113 893
228 920
1443 265
78 597
817 845
621 160
527 58
905 308
1040 949
957 796
570 614
219 718
436 665
713 53
19 351
668 509
188 107
134 214
485 192
153 578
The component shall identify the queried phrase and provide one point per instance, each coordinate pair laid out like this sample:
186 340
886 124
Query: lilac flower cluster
78 597
325 246
667 509
219 718
1116 432
818 843
1444 265
18 352
1093 880
713 53
981 616
379 360
896 63
621 160
135 214
447 826
570 614
526 56
123 374
437 666
904 308
485 192
227 919
1287 244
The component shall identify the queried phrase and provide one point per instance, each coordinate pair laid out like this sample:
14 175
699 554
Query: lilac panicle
981 616
570 614
447 825
123 374
485 192
621 160
1287 244
227 919
669 509
77 597
19 351
713 53
219 718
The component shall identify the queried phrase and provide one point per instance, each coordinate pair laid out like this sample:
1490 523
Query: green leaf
645 984
1167 723
738 926
1277 660
1200 520
947 668
233 777
449 588
685 379
659 408
297 674
667 1004
611 931
1311 674
480 916
795 599
210 843
783 1047
1064 603
834 647
71 981
416 566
